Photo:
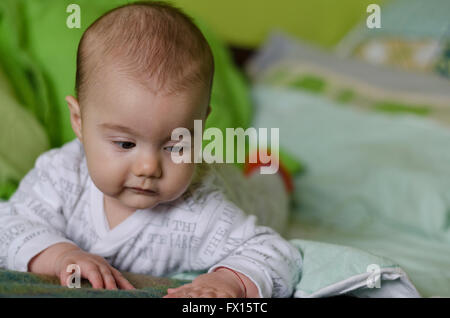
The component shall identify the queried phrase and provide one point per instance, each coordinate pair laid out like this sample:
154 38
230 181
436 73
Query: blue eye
174 149
125 144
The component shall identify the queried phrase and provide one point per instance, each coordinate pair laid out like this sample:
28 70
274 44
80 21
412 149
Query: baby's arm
32 219
32 227
268 261
225 236
268 265
251 261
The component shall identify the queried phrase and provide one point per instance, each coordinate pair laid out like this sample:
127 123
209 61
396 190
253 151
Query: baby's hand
92 267
221 283
55 260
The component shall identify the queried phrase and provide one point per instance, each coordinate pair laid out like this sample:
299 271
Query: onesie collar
110 241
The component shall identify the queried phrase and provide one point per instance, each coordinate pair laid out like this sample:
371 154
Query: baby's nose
148 167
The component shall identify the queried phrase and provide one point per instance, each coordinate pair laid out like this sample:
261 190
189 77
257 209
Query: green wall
247 22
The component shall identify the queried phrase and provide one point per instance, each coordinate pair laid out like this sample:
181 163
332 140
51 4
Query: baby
113 199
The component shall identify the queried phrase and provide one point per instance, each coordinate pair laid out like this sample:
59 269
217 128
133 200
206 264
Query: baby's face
126 133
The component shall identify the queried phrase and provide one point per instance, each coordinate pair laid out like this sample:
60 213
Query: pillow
363 168
20 144
330 270
287 62
414 35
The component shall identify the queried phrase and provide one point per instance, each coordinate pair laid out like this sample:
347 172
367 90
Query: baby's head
142 70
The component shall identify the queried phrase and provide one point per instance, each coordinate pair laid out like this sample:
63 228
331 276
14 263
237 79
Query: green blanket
19 284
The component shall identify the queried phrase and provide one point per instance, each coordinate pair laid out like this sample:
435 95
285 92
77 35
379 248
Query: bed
369 213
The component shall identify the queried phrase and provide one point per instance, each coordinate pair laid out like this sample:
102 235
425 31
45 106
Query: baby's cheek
106 173
180 176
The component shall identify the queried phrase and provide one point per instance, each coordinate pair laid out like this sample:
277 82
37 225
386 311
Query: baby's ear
75 115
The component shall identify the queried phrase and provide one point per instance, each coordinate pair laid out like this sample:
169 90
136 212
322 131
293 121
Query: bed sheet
374 182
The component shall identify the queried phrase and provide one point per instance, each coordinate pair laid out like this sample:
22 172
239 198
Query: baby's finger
190 292
179 292
94 276
108 278
63 278
173 290
121 280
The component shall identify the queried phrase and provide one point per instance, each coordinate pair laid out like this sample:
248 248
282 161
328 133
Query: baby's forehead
111 80
138 108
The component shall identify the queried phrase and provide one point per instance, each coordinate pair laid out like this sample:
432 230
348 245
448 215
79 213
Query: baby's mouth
142 191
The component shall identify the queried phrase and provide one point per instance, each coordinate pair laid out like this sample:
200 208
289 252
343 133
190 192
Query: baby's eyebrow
118 127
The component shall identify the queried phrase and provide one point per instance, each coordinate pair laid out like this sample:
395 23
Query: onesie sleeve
258 252
32 219
231 238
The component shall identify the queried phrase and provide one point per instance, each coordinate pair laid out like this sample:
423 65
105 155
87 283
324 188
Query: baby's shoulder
206 181
214 185
226 179
67 159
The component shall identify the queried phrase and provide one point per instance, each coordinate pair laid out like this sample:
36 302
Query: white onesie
201 230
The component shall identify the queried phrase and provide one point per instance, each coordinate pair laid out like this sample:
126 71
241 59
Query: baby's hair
153 42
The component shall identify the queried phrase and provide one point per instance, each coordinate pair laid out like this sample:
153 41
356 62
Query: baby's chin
140 201
131 199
